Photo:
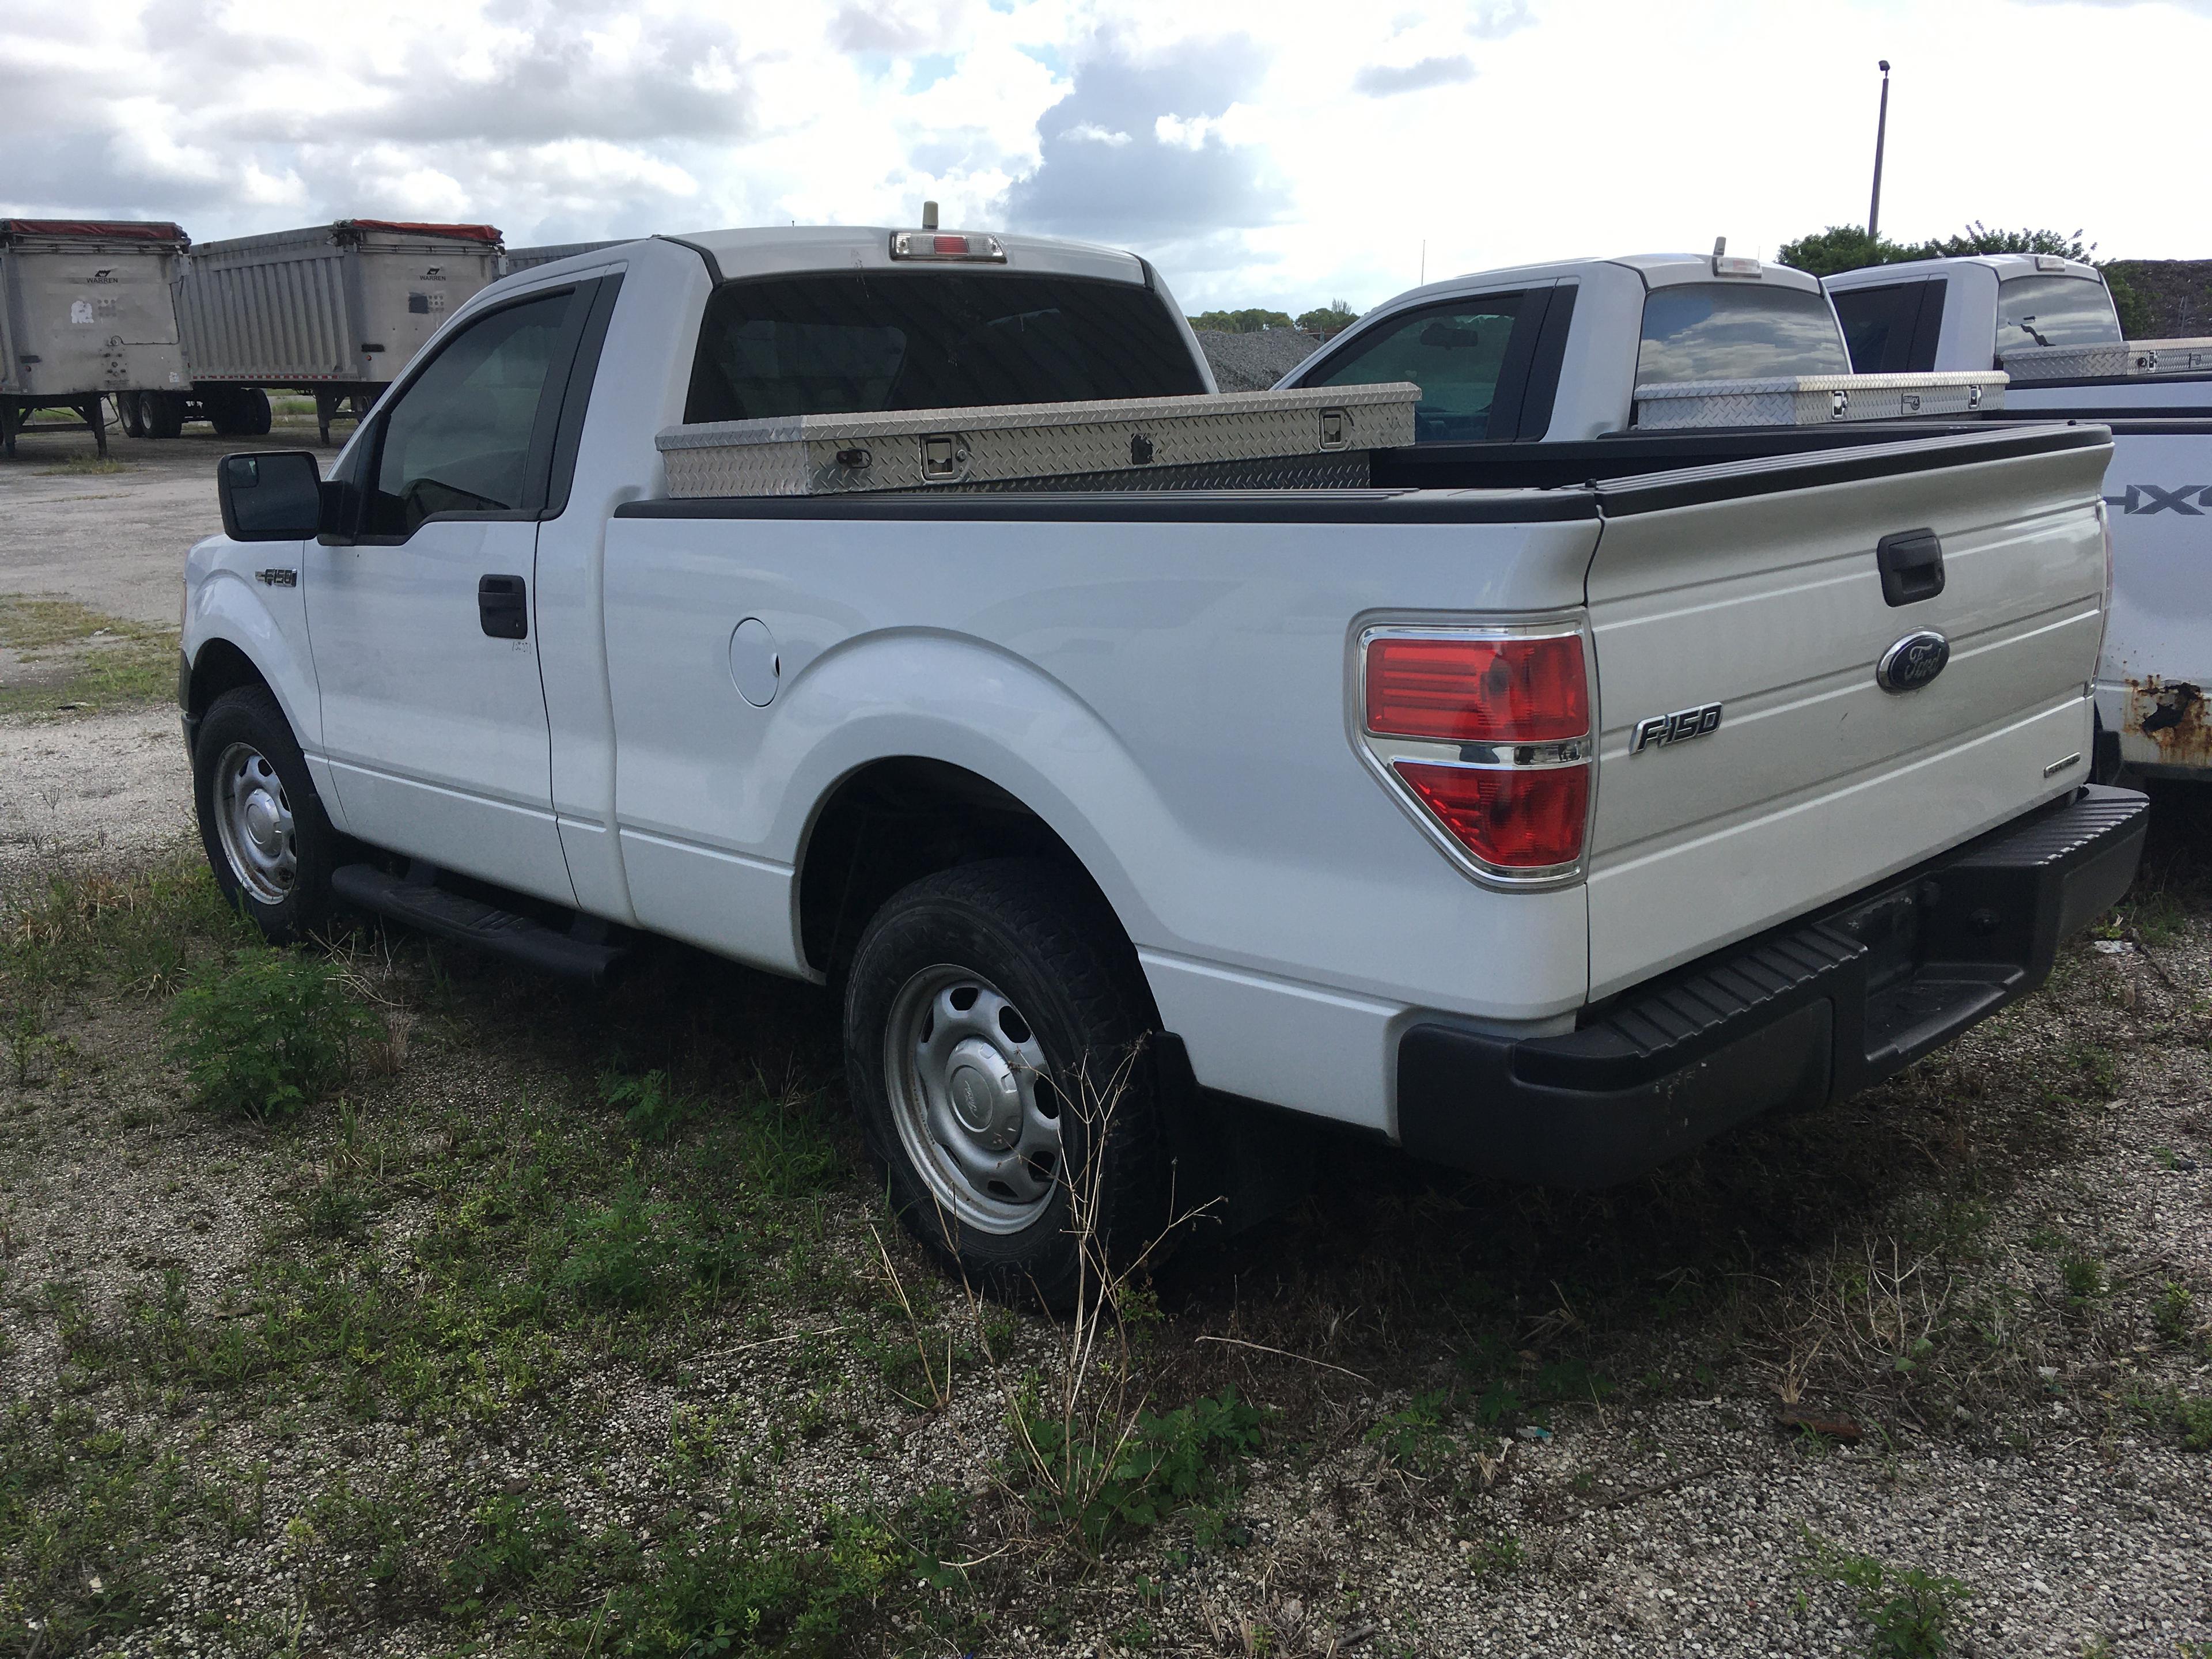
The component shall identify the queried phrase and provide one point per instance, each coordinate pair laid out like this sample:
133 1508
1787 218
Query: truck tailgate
1756 586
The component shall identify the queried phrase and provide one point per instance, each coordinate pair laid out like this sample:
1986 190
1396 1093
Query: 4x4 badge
1913 661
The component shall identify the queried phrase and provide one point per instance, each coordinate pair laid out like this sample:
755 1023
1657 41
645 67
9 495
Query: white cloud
1271 153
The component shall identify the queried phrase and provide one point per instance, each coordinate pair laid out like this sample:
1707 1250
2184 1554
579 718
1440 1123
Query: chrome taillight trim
1379 749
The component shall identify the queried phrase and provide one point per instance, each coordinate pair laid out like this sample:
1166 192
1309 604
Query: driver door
421 622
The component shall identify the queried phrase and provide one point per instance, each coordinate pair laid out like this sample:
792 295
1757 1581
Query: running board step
471 922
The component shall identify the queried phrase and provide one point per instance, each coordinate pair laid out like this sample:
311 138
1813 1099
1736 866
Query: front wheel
995 1045
271 846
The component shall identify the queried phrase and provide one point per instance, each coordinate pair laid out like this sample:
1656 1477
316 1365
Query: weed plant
1908 1612
273 1036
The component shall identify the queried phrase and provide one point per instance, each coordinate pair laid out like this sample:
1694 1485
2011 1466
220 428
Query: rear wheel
130 411
268 840
162 413
995 1030
252 412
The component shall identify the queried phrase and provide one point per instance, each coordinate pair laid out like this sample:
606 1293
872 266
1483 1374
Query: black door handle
503 607
1911 564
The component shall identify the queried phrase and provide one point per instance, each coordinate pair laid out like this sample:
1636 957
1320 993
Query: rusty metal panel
83 313
1118 443
342 303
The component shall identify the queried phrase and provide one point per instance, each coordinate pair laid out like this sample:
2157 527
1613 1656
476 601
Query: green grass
1167 1464
77 465
75 656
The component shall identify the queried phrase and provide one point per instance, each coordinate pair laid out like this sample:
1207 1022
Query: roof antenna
929 215
1720 245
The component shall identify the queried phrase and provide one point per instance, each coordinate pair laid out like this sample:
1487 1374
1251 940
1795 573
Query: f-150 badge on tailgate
1912 661
1678 727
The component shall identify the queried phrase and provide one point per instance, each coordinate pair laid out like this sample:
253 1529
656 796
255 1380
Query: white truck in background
1577 350
1543 830
2050 324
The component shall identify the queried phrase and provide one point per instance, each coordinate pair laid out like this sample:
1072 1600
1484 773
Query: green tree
1327 319
1848 248
1845 247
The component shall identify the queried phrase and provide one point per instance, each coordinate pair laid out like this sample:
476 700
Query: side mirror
272 497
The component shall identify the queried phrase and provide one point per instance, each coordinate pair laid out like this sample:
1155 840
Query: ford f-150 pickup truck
2050 324
1544 830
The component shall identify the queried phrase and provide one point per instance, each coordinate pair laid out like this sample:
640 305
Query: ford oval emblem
1913 661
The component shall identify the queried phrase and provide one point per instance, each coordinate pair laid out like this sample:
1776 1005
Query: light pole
1880 132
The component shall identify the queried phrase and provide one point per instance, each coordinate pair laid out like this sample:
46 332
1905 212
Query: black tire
130 412
251 412
246 721
163 414
1038 938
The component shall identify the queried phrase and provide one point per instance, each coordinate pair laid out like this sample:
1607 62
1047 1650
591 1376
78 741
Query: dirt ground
561 1322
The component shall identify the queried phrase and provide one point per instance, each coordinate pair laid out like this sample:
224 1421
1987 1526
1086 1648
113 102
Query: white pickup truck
2050 324
1547 831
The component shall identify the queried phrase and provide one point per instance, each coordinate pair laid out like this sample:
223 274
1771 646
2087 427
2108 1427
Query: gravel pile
1254 363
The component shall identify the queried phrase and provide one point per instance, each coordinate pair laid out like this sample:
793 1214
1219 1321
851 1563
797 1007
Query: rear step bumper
1801 1015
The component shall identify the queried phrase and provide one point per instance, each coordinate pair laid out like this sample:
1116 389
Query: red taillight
1527 817
1478 690
957 246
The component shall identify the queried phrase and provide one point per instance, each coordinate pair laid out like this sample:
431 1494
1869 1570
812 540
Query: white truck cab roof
1976 311
868 247
1609 329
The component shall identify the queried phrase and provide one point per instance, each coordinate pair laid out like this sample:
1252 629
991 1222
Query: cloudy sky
1280 153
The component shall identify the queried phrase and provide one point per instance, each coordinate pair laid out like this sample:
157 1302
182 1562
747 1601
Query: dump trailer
85 314
336 310
525 259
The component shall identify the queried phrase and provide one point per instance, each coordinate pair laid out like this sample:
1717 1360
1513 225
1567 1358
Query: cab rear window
2054 311
1737 331
852 343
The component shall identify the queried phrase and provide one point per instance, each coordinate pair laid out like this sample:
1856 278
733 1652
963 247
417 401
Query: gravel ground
116 541
93 789
1254 363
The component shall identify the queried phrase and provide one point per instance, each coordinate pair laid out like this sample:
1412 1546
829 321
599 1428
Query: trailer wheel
130 412
163 414
271 846
996 1028
252 412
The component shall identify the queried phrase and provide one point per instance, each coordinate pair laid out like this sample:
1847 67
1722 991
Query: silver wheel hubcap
975 1110
253 819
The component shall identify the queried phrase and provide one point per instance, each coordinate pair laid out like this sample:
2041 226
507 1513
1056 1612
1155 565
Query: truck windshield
850 344
2054 311
1736 332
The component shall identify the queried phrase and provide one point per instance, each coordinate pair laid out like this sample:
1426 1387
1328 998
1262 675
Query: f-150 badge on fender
1912 661
1678 727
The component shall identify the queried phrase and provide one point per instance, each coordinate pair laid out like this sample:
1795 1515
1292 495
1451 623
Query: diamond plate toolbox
2133 359
1231 437
1813 399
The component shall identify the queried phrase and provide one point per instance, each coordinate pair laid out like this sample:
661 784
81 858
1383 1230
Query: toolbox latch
1336 429
944 458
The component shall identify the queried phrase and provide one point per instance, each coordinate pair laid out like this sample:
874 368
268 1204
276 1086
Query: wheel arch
895 819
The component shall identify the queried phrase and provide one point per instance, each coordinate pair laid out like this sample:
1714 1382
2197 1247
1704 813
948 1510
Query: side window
1454 352
1879 324
461 437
